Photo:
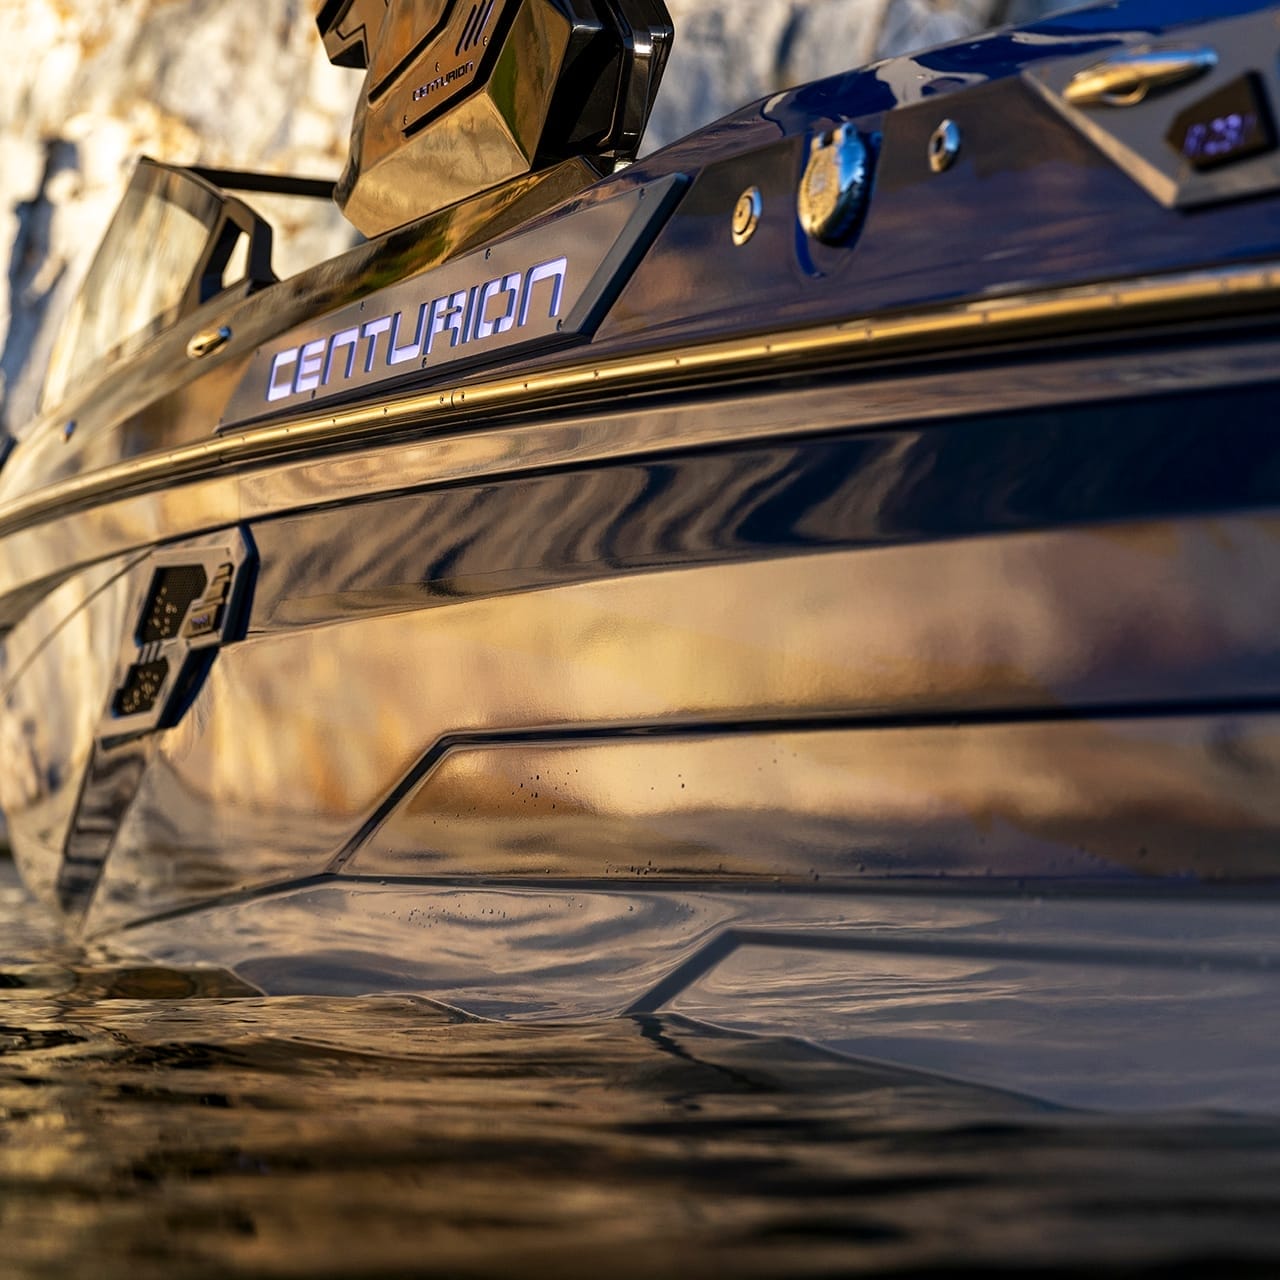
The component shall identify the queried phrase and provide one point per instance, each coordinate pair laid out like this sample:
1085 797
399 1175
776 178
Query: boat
819 579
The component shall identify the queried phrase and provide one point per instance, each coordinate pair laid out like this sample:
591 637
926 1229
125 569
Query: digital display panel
1231 124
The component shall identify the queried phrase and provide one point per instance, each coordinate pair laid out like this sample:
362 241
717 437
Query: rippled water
160 1123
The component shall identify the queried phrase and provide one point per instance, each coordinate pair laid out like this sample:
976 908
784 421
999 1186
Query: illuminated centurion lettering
446 317
423 331
310 365
373 330
555 271
487 323
400 353
348 338
275 389
469 317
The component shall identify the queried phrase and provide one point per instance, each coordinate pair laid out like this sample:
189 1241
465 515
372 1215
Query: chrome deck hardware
746 215
944 146
207 341
833 191
1127 78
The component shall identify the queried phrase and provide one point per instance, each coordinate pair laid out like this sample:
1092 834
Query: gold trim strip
1200 293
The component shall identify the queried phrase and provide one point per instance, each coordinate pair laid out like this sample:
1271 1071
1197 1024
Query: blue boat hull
876 646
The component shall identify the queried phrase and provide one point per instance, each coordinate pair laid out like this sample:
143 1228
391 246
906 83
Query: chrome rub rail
1216 292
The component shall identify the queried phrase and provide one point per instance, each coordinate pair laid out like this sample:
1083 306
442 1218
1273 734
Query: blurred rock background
91 84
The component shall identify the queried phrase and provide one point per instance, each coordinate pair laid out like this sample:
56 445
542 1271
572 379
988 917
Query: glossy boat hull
787 716
905 678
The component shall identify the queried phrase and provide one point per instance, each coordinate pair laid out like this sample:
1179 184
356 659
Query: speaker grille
141 688
172 591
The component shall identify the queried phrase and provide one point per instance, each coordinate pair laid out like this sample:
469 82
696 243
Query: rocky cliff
91 84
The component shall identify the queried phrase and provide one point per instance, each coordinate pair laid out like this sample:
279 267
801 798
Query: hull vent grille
172 591
141 688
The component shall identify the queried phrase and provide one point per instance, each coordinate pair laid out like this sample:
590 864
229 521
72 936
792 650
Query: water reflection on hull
172 1121
1125 1002
869 639
595 729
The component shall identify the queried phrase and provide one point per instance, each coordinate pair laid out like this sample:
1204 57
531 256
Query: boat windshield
175 242
135 285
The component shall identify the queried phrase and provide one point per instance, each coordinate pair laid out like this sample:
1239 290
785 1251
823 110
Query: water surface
179 1124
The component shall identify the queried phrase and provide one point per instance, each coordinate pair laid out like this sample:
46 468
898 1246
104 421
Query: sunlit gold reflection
267 778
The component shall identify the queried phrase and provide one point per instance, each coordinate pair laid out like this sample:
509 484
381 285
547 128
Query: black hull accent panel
846 608
1088 796
1077 635
1196 453
1049 632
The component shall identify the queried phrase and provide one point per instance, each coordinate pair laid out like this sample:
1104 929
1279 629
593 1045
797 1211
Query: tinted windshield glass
146 262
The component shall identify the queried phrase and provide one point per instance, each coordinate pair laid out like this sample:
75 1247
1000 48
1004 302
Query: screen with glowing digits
1231 124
